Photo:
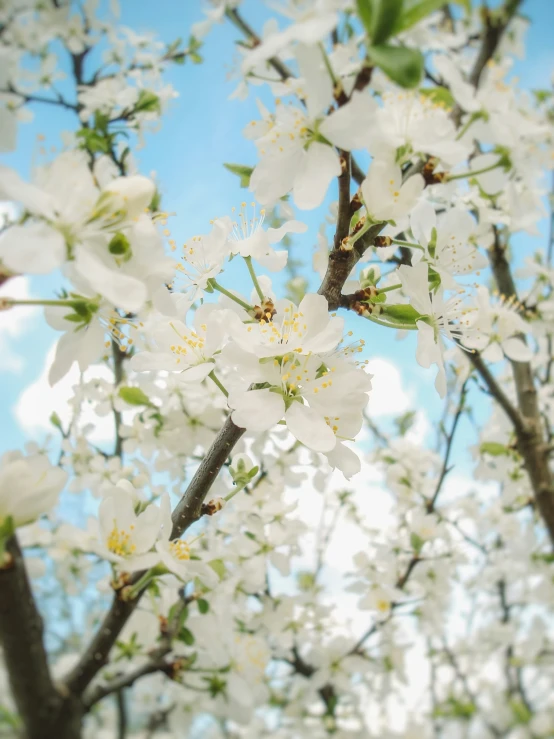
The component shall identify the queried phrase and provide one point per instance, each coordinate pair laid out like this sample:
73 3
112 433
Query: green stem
55 303
214 379
389 288
216 286
408 244
227 498
328 64
363 230
462 175
259 290
133 590
466 127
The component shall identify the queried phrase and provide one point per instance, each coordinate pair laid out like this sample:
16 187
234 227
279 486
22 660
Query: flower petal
310 428
317 168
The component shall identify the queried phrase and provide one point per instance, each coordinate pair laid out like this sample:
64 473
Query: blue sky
201 130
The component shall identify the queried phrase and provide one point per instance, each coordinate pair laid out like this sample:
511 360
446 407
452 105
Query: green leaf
405 422
416 11
173 46
365 11
417 542
494 449
73 317
134 396
401 312
385 16
55 420
186 635
403 66
176 611
522 714
148 102
242 171
203 606
7 718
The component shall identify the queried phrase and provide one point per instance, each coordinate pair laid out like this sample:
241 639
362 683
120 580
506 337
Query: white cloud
14 322
388 395
37 402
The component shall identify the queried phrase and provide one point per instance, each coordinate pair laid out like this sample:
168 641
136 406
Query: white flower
180 348
495 330
303 330
203 258
292 154
176 555
453 250
291 159
125 538
410 123
312 23
29 487
249 239
386 197
321 405
439 317
73 221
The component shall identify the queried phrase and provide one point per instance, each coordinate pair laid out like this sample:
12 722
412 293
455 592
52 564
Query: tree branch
235 17
118 359
118 684
526 420
496 23
188 509
42 708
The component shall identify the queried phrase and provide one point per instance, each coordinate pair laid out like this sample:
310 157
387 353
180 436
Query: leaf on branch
148 102
416 11
402 65
134 396
494 449
242 171
380 18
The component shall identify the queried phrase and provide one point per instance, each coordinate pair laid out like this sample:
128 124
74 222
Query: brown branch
345 209
498 393
25 98
118 684
122 717
341 264
187 511
235 17
43 710
118 359
496 23
526 419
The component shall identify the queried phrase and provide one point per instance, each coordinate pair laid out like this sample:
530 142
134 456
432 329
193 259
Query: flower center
246 226
119 542
179 549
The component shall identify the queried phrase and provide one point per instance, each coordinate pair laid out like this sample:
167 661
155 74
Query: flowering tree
201 598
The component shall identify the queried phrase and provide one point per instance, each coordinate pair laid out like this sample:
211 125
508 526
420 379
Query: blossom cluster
343 574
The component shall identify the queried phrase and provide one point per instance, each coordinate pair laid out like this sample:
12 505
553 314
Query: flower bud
242 469
370 276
